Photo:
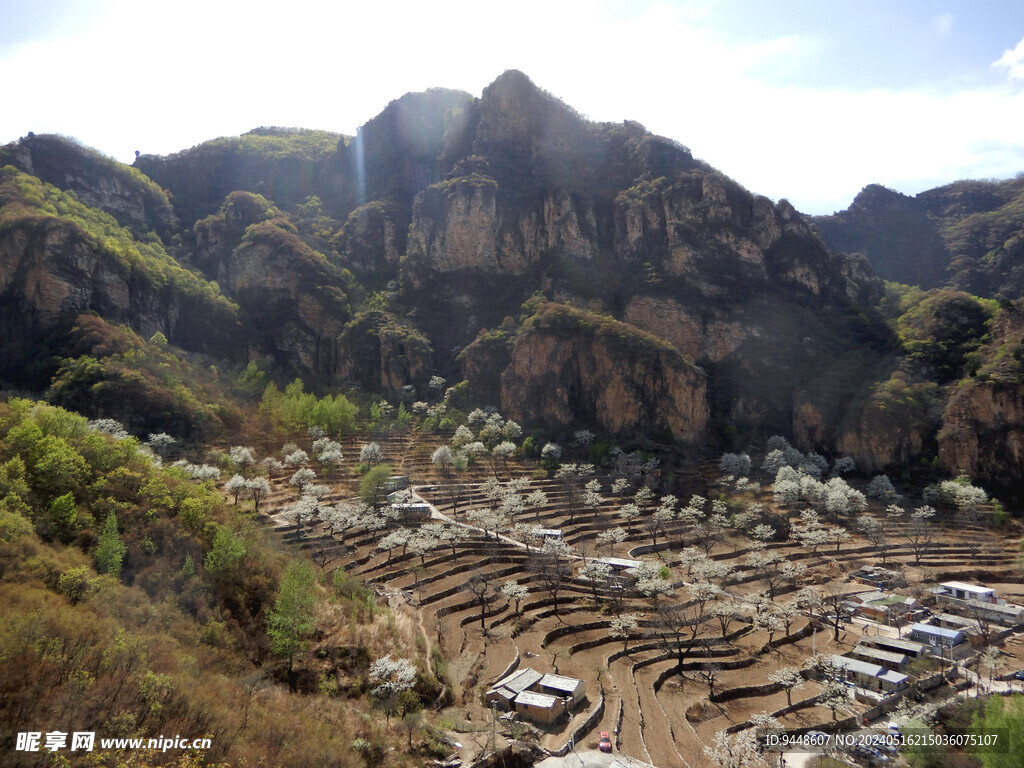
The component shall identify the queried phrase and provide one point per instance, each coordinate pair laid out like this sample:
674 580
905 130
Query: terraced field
662 705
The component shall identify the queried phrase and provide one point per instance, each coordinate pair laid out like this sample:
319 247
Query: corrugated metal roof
875 653
531 699
928 629
891 676
560 683
891 642
856 665
520 680
967 587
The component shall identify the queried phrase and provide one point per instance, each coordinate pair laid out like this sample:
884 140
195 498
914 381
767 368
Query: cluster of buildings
951 629
540 698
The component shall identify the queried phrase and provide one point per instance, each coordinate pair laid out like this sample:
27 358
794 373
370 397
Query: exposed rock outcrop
98 181
380 353
983 434
892 425
569 367
373 239
459 225
52 270
292 302
982 431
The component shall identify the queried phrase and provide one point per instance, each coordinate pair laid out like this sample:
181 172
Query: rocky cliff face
292 302
373 239
567 367
52 269
380 353
892 423
982 430
285 165
50 273
983 434
460 225
124 193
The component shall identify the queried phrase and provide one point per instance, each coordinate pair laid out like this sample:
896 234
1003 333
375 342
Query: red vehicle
605 743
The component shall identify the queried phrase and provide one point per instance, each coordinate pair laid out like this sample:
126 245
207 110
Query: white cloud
1013 61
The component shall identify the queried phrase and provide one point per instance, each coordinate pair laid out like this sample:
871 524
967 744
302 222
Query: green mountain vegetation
136 601
965 235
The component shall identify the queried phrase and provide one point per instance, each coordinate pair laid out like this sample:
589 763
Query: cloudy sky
801 99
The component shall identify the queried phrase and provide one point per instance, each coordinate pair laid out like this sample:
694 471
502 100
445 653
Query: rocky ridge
699 310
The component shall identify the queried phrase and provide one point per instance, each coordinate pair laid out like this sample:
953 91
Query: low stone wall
730 694
592 719
558 632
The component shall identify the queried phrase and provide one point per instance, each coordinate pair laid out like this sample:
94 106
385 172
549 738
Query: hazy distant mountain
966 235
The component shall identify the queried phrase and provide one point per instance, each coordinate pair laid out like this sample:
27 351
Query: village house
935 636
981 603
411 511
541 708
504 692
894 645
886 608
548 533
558 685
962 591
871 677
538 697
889 659
879 578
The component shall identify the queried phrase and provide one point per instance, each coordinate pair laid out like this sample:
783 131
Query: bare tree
833 601
709 673
326 553
682 623
552 567
920 533
478 586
